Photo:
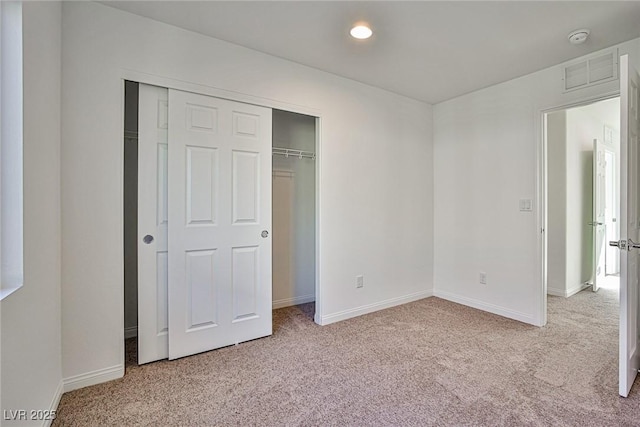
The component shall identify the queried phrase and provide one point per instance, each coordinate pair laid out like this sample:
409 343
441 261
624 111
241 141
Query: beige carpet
431 362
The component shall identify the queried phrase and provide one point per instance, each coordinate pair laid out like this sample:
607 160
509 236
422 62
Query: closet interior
294 208
130 196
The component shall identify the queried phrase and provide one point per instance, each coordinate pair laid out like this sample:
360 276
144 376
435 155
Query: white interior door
629 127
612 212
599 219
153 324
219 223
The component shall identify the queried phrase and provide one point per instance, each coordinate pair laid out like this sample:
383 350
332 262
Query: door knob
264 234
596 223
620 244
147 239
632 245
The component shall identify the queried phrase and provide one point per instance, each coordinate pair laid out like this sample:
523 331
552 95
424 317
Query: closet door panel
152 224
246 187
201 193
219 223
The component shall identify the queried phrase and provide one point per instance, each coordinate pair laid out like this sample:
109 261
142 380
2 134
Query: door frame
169 83
542 193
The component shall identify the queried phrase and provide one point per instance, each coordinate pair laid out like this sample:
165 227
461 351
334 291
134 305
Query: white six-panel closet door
219 204
153 311
204 165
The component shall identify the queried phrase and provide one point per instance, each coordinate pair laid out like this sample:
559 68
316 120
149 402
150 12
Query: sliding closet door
219 216
153 320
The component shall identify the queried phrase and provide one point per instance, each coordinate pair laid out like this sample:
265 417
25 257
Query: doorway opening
294 207
225 174
130 195
623 298
583 184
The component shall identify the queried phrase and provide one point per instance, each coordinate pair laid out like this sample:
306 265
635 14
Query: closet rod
288 152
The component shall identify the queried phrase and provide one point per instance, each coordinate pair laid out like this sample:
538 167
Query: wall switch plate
526 205
483 278
360 281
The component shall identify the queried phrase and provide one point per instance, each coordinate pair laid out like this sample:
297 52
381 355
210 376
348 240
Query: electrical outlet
483 278
360 281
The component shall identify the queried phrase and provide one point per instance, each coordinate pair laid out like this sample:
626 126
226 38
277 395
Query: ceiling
430 51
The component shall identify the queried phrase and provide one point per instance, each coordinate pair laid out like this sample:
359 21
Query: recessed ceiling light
578 36
361 32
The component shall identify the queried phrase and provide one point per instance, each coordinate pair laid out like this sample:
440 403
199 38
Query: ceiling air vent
576 75
599 68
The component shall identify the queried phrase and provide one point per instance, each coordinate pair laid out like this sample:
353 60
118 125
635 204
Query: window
11 188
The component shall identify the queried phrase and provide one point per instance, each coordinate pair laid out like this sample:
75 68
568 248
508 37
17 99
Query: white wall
293 196
486 149
581 130
557 202
376 176
31 337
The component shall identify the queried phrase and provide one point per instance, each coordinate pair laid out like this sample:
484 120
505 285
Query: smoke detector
578 36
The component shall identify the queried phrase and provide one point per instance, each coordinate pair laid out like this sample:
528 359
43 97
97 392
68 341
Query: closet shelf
288 152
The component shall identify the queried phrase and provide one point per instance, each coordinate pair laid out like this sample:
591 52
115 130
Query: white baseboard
54 403
480 305
287 302
569 292
370 308
577 289
555 292
92 378
130 332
